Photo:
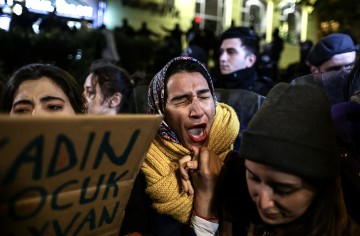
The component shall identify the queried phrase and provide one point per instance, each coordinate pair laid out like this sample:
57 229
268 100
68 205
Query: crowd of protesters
296 171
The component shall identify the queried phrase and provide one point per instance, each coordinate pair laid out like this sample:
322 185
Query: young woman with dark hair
285 179
108 89
40 88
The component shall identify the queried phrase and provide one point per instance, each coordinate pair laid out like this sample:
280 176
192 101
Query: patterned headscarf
156 94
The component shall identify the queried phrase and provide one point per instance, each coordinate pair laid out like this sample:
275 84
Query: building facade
294 21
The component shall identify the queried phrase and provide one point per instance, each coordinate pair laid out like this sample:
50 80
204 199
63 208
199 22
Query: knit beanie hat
293 132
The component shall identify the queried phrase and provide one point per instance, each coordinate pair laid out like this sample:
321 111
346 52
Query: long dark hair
36 71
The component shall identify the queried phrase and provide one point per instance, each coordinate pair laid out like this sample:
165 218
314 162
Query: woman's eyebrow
187 95
180 97
51 98
202 91
247 168
279 184
285 185
22 101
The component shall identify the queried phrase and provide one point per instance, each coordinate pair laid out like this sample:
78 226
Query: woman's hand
204 168
185 165
205 171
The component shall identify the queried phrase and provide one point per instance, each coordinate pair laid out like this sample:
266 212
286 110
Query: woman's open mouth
198 133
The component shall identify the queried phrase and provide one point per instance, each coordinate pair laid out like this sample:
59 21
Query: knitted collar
161 164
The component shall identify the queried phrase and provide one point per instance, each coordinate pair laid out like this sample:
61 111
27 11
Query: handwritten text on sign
67 194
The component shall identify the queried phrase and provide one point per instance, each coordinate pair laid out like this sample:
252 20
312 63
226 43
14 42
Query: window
290 21
211 14
253 14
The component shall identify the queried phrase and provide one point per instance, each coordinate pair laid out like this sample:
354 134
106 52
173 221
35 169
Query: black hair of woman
113 79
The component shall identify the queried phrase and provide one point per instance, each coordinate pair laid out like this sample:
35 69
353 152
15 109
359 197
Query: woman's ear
115 100
250 60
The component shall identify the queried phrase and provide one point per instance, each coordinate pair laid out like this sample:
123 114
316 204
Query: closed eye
22 110
204 97
181 100
284 190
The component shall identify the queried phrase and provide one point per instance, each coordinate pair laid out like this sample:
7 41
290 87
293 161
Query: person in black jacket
239 49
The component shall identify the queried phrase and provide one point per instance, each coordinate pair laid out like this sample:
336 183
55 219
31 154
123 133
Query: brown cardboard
69 175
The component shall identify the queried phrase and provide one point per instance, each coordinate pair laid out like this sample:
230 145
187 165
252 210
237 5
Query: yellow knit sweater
161 164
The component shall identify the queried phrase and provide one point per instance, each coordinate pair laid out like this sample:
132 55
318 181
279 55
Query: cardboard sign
70 175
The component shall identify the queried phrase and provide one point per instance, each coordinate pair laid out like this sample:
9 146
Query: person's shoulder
265 79
263 85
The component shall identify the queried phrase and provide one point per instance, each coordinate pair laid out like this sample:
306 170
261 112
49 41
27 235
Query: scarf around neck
161 164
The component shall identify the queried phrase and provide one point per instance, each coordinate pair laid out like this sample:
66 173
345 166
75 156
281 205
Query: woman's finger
183 167
190 188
